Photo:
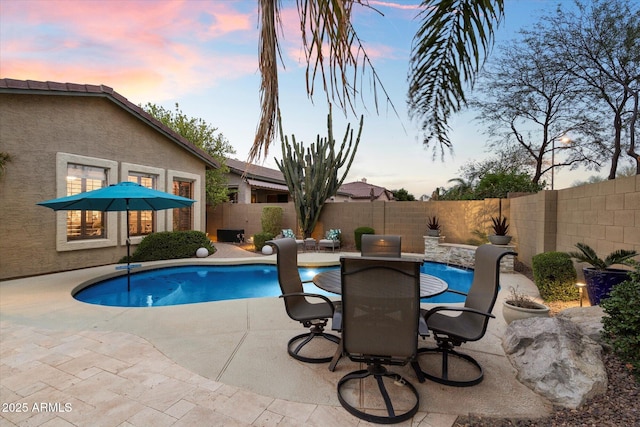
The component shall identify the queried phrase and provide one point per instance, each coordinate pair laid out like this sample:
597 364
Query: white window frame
197 183
111 220
125 170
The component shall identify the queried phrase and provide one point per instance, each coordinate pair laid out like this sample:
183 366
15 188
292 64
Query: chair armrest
458 309
305 294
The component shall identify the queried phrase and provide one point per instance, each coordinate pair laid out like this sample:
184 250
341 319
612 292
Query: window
142 223
183 217
85 224
232 193
190 185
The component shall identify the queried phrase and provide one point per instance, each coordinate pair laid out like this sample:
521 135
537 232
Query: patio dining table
331 281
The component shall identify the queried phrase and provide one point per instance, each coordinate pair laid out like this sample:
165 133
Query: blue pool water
193 284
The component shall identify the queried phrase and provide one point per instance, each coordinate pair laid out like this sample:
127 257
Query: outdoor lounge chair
331 240
378 245
380 309
471 322
312 315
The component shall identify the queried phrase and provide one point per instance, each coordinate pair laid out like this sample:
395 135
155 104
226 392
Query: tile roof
356 190
255 171
362 190
75 89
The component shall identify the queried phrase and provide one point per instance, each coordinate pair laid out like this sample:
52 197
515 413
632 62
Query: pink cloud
394 5
150 49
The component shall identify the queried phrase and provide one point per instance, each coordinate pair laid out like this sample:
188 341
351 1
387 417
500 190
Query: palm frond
589 256
619 256
333 51
448 50
269 52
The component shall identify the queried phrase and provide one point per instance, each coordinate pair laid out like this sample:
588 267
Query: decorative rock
556 360
202 253
588 319
267 250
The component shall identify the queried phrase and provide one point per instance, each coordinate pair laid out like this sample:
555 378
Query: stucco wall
33 129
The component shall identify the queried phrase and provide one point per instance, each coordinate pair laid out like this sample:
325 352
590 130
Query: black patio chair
378 245
380 309
312 315
471 322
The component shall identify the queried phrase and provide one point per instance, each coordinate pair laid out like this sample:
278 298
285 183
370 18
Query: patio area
66 363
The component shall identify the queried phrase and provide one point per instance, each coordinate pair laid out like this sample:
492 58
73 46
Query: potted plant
500 228
433 227
600 277
521 306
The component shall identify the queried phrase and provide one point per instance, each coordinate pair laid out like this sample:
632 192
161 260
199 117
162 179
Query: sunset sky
202 54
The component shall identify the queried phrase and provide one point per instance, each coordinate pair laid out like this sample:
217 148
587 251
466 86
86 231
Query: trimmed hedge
271 219
259 239
555 276
358 232
170 245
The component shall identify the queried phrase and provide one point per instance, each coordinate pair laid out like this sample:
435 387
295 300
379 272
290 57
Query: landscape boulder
588 319
554 358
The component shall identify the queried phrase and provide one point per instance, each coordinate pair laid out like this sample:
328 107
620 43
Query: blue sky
203 55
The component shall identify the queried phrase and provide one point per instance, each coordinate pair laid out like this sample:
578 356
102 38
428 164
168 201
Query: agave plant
589 256
500 226
433 224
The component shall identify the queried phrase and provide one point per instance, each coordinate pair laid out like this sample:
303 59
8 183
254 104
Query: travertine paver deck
66 363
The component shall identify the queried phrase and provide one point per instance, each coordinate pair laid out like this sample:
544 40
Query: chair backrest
380 309
379 245
484 289
288 274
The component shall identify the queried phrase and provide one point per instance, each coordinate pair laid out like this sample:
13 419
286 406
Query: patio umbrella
124 196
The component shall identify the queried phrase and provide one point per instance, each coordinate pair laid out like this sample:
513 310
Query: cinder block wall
605 215
459 220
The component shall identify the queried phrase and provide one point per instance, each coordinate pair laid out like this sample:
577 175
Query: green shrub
358 235
170 245
621 323
271 219
259 239
555 276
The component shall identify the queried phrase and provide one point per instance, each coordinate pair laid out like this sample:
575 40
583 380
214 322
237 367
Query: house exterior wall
244 190
35 130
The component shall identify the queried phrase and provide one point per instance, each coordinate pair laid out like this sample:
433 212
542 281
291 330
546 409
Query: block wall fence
604 215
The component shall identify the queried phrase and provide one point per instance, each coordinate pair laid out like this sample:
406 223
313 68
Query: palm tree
448 51
461 191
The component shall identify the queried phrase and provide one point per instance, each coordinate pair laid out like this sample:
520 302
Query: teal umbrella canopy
124 196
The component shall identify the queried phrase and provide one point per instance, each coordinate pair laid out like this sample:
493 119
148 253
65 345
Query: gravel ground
618 407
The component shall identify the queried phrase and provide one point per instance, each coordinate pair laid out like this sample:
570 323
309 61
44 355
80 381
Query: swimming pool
204 283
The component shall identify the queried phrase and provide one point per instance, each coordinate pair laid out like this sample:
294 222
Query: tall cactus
312 174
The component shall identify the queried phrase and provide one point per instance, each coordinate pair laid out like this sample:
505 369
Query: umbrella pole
128 252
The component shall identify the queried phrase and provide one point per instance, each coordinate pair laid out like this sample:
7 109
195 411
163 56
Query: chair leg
336 357
446 349
379 372
305 339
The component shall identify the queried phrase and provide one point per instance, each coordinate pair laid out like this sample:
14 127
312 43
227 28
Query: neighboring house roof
74 89
255 172
363 190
